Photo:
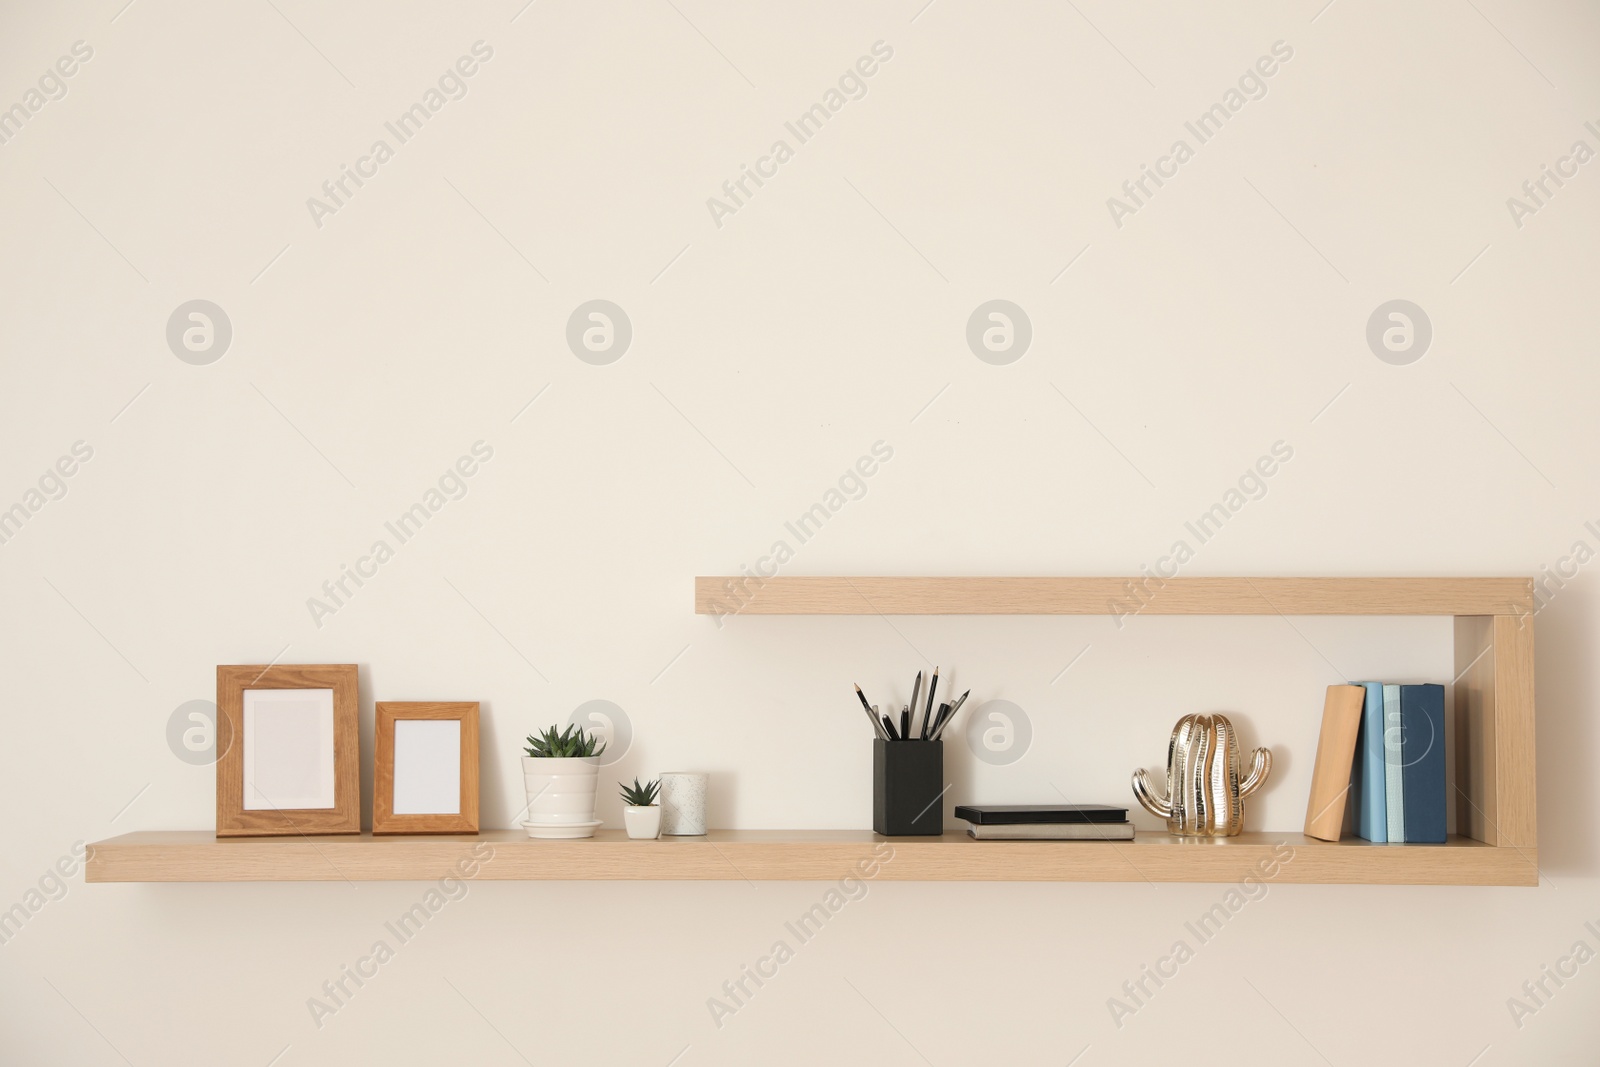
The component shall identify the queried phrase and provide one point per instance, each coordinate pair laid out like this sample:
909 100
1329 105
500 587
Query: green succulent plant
641 796
564 744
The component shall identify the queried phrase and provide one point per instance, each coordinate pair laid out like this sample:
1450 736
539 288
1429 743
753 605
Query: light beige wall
770 352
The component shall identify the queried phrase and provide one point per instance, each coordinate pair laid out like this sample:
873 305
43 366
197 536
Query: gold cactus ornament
1204 796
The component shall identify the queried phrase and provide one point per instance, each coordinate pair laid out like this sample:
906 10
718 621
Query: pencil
927 714
916 688
877 730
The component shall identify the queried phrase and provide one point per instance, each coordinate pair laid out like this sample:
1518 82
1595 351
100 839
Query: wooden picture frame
425 769
289 740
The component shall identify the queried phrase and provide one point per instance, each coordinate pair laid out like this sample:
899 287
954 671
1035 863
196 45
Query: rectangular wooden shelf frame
1494 771
1494 767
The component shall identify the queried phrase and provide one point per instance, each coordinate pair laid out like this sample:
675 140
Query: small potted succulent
640 812
560 771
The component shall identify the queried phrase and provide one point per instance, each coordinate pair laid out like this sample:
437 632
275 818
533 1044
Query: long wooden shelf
801 855
1110 596
1493 766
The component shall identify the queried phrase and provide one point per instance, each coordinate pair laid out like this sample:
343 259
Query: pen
951 716
905 723
927 714
888 724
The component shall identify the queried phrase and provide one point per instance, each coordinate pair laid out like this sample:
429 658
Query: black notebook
1013 814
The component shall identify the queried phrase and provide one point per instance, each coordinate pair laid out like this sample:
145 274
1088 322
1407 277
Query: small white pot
561 795
643 823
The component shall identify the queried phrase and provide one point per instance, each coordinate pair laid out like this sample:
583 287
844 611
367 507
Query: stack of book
1383 746
1398 775
1045 822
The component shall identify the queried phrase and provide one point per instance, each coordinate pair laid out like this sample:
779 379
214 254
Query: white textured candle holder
683 803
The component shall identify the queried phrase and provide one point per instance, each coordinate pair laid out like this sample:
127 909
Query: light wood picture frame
426 775
290 747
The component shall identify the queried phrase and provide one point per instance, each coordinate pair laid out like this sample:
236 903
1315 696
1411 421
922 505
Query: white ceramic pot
561 795
683 802
643 823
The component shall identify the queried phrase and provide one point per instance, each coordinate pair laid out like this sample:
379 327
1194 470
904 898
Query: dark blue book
1422 762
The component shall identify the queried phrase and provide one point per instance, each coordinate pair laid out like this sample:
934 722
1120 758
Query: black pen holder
908 788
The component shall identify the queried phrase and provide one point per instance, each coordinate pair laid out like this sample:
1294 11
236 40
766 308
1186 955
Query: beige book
1336 753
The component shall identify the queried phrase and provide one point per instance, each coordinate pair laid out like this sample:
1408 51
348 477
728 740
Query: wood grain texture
1336 749
384 820
1476 795
345 815
1112 596
1515 776
806 855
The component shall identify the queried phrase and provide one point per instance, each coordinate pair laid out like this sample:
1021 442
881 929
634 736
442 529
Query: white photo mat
427 767
288 749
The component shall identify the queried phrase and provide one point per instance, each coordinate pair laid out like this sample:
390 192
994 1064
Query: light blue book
1369 782
1394 796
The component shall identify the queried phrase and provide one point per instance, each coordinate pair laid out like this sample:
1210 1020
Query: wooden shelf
801 855
1492 773
1100 596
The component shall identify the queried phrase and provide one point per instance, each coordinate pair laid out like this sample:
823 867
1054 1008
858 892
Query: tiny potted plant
560 771
640 812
